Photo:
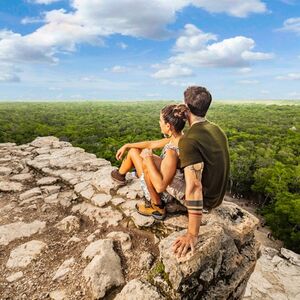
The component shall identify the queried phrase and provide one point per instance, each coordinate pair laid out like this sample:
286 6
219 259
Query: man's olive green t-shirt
206 142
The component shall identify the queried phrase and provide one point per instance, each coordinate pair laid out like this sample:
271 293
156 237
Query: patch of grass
158 270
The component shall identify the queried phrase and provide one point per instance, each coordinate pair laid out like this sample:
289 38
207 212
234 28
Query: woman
158 174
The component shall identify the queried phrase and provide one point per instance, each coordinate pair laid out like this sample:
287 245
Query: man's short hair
198 100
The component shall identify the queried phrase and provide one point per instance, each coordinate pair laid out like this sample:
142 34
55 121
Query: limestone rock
22 256
33 199
131 190
10 186
22 177
73 239
136 290
30 193
4 171
201 274
64 269
58 295
69 224
117 201
123 238
88 193
13 231
65 198
146 260
176 222
92 236
104 271
105 215
100 199
47 180
5 159
293 257
209 242
81 186
46 141
7 145
102 180
52 199
50 189
237 222
274 277
96 248
15 276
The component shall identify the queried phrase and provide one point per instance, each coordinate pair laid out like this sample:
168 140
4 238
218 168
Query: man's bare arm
194 204
194 196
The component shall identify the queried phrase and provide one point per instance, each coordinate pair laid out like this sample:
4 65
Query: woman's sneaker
117 177
148 209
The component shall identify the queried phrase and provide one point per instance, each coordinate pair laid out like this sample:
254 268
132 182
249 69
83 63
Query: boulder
137 289
274 277
22 256
123 238
104 271
69 224
13 231
10 186
217 268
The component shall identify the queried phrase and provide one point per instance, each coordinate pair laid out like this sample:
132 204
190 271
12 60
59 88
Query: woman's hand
121 151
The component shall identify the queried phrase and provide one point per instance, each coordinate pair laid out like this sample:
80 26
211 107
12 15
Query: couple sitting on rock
192 168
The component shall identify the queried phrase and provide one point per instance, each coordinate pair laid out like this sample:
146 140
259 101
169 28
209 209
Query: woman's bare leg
155 198
132 159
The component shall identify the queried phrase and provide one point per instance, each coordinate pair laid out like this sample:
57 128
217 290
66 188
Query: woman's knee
134 151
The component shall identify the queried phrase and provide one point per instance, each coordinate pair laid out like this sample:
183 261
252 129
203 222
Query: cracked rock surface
67 231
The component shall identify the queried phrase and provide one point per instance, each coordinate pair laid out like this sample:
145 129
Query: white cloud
9 77
291 25
117 69
290 76
30 20
88 79
193 39
249 81
231 52
178 83
122 45
54 88
90 21
244 70
195 48
294 94
237 8
9 73
173 71
265 92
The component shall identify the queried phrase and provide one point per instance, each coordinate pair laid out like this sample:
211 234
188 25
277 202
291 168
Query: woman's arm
142 145
163 177
149 144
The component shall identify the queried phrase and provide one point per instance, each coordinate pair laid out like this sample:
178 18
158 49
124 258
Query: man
204 156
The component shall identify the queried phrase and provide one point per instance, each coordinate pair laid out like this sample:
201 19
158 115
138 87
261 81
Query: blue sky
148 50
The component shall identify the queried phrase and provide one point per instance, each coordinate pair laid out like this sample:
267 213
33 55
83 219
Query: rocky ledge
67 231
